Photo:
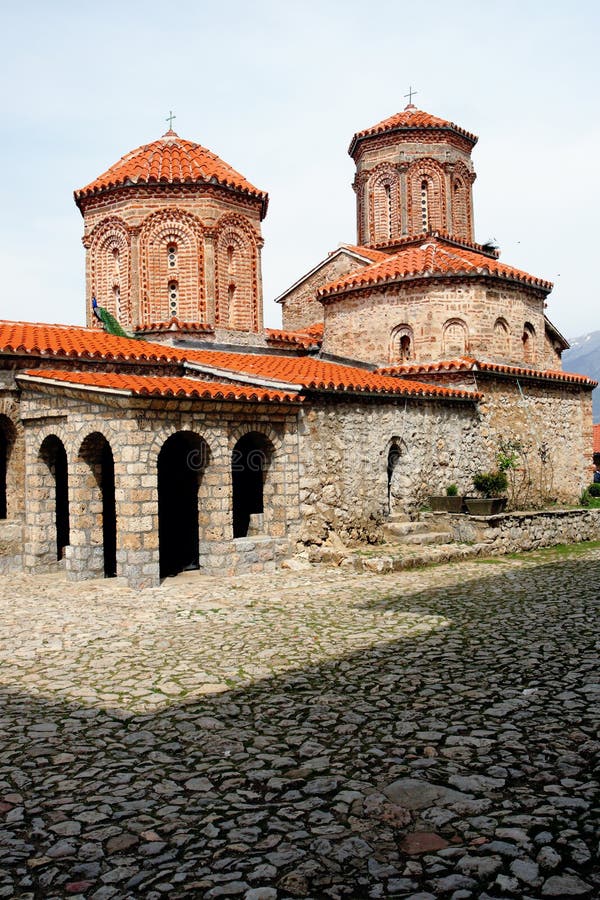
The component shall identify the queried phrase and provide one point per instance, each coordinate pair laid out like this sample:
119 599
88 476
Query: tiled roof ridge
410 118
305 338
174 324
442 237
469 364
361 250
425 261
170 160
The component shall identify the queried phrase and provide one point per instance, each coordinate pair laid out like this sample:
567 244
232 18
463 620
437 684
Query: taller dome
413 174
173 235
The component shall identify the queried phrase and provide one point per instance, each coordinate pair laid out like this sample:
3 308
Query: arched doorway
250 461
182 462
53 454
7 441
393 458
98 500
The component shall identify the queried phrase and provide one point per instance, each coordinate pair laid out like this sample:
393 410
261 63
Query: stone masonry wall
136 431
300 308
448 319
344 449
517 531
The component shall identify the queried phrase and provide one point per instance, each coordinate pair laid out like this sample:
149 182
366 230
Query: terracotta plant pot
486 506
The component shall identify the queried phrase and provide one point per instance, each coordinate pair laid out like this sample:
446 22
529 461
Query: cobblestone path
305 734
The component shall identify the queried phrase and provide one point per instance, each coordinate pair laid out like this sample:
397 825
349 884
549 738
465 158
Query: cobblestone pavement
305 734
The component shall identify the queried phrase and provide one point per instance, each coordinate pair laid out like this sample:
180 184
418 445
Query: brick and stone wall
299 306
446 318
212 274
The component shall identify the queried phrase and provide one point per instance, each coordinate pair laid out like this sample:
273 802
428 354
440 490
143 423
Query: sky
277 89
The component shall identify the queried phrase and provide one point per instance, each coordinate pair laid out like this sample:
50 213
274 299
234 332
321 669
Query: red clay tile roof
171 160
317 374
434 257
596 438
306 339
175 324
157 386
469 364
410 118
75 342
72 341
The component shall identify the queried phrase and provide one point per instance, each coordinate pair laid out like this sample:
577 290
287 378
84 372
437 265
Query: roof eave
357 139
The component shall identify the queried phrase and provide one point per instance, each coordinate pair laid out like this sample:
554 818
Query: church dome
411 119
171 160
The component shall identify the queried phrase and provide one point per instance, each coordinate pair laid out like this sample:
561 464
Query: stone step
392 559
429 537
402 528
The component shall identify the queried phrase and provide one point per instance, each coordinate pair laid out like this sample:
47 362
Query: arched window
117 260
230 252
117 300
173 298
230 295
528 339
401 344
425 204
501 345
454 340
172 256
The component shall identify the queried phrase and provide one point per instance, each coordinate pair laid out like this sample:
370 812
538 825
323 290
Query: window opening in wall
528 343
117 300
172 255
230 257
116 259
230 296
405 347
173 297
424 206
393 459
249 464
388 193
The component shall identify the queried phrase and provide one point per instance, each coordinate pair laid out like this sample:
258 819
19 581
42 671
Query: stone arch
426 197
251 460
161 231
455 338
236 263
501 338
383 189
51 512
528 339
94 531
110 267
12 468
181 466
462 225
402 348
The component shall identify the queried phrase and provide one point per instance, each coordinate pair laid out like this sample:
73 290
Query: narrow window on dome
230 295
424 206
117 300
172 255
117 261
388 196
173 298
230 258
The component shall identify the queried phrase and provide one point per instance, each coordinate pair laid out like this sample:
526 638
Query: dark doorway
181 464
100 515
249 462
109 512
3 466
393 458
54 455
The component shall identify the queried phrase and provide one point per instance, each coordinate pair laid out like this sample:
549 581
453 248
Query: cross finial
410 95
169 119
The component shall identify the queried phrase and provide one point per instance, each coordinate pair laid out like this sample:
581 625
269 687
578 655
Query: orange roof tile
73 341
158 386
434 257
469 364
171 160
317 374
596 438
76 342
367 252
410 118
306 339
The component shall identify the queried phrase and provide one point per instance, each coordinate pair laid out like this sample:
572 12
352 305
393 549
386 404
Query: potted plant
491 485
451 501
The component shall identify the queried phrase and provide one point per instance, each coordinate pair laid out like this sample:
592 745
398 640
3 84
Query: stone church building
176 432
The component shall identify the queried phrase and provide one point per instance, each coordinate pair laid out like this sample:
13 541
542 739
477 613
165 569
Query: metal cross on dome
169 119
410 95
